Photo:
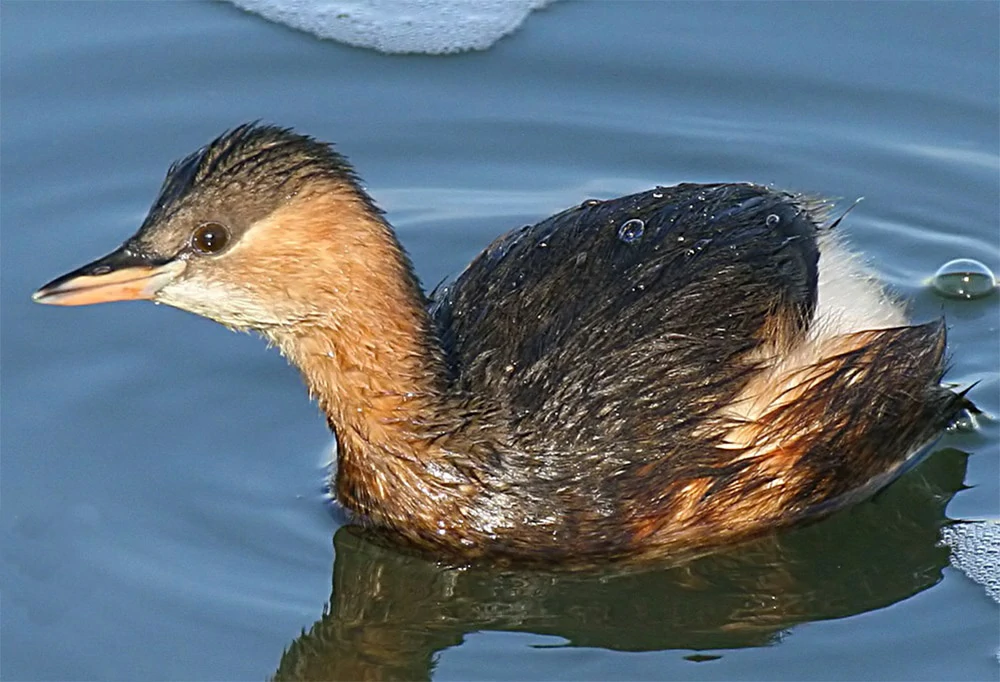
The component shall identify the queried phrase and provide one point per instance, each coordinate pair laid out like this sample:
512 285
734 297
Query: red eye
210 238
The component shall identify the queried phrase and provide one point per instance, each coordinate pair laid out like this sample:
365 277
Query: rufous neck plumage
369 356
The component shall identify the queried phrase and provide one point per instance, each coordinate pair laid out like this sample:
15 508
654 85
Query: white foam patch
401 26
975 550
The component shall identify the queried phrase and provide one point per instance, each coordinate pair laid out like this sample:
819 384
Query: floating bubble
631 230
964 278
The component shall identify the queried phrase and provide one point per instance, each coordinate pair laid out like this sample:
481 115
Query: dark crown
262 158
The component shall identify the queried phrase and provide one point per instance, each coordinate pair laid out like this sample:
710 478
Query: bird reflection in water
391 613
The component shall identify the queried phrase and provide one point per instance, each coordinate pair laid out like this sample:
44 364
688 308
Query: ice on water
401 26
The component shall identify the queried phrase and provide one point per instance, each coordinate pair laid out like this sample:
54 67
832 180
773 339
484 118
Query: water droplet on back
964 278
631 230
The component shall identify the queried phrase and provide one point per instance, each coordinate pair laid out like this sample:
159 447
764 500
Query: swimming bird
679 368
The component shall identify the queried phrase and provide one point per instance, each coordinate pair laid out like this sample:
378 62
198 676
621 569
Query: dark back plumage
615 319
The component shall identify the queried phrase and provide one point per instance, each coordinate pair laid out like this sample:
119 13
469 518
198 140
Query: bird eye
210 238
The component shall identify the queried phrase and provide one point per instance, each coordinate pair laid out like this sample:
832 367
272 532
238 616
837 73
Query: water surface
163 512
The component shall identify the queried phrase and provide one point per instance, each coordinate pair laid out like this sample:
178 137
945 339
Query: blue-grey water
163 509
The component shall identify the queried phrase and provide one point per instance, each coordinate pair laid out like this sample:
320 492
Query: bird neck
376 373
371 358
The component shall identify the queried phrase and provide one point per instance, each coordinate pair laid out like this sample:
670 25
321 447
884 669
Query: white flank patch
850 298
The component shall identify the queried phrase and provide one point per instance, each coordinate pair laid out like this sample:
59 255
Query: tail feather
827 434
878 405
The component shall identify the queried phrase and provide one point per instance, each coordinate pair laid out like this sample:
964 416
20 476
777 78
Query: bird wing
616 322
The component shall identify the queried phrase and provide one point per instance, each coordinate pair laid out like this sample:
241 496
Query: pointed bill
119 276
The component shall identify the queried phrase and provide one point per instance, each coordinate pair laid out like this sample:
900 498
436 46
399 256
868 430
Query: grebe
678 368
